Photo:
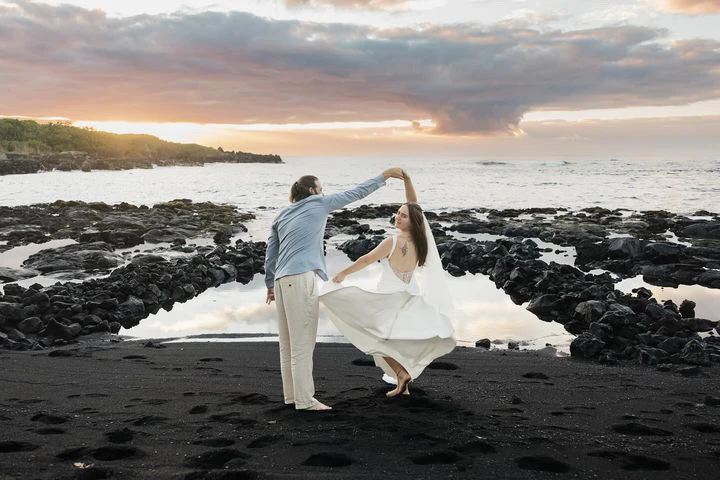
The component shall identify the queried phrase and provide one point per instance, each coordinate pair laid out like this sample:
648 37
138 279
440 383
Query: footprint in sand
216 458
437 457
49 419
134 357
73 453
328 441
50 431
265 441
364 362
251 399
634 428
631 462
123 435
508 410
442 366
197 409
474 446
233 418
116 452
86 411
93 473
211 359
423 439
225 474
147 420
703 427
16 447
328 459
63 353
218 442
542 464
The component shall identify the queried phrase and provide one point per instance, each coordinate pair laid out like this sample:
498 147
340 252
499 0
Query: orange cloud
694 6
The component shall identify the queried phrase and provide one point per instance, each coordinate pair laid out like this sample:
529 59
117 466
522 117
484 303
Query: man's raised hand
394 172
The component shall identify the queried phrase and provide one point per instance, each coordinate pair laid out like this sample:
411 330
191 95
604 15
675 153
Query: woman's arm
410 195
376 254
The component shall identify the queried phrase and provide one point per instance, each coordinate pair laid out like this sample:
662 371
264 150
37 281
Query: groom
293 258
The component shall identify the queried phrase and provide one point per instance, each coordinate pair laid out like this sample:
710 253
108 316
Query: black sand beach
214 410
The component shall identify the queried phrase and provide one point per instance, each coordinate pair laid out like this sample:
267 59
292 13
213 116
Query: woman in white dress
405 322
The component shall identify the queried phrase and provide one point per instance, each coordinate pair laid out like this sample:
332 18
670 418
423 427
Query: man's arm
339 200
271 253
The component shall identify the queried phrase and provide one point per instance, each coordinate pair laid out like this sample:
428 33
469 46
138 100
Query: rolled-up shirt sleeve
339 200
271 254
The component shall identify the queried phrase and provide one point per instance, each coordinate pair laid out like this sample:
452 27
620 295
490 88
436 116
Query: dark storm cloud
349 4
238 68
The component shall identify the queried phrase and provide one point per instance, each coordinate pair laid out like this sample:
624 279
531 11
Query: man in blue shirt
293 260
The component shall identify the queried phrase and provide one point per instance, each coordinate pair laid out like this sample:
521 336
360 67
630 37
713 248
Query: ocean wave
491 163
556 163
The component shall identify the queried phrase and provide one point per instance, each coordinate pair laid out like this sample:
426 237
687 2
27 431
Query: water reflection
14 257
482 311
707 299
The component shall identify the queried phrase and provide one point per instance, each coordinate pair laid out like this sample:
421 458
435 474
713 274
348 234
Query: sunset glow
390 76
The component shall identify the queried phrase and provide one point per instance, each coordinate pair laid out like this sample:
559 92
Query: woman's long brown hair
417 232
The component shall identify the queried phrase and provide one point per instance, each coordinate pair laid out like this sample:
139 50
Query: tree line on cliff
33 143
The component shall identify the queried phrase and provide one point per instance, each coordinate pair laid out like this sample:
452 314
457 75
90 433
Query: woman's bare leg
403 378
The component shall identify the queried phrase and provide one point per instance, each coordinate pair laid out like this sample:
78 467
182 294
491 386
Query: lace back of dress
404 277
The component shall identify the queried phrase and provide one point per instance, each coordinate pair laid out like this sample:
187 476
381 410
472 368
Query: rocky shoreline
38 317
21 163
612 327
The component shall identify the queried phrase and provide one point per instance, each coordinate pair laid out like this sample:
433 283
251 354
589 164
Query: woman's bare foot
403 379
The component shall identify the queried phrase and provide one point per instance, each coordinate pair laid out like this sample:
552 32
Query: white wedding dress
407 319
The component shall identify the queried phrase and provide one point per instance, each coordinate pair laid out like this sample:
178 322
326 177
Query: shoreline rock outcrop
38 317
22 163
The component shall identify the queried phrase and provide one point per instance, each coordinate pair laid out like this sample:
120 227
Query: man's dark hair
301 189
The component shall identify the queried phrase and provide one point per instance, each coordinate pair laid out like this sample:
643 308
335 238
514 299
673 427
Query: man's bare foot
403 379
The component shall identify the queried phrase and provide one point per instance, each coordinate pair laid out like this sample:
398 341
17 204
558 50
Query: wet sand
214 411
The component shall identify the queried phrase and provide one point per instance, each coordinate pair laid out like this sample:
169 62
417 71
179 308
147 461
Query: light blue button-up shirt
296 238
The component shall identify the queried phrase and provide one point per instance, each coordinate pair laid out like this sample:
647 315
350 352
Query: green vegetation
27 136
30 147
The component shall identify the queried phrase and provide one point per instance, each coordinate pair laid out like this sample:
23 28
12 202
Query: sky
480 78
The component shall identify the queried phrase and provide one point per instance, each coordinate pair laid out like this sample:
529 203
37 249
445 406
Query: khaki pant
296 300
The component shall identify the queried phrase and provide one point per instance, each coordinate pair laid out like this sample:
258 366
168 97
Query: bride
405 322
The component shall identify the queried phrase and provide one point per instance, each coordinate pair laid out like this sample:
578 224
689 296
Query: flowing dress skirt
393 321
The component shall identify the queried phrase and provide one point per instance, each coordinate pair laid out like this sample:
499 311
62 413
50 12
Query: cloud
695 7
235 67
350 4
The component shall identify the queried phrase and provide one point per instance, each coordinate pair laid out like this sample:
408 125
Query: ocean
683 186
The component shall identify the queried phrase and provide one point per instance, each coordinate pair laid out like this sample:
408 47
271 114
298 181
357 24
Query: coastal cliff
29 147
